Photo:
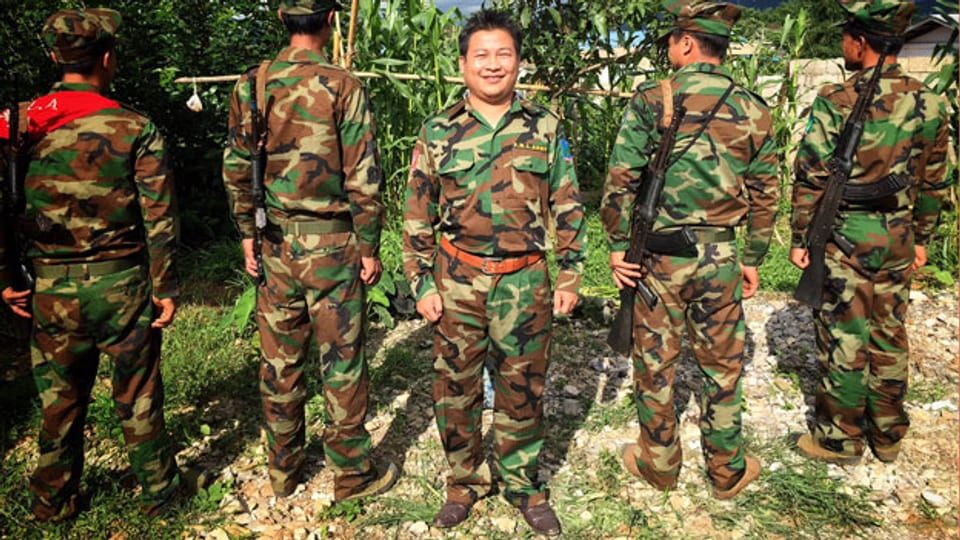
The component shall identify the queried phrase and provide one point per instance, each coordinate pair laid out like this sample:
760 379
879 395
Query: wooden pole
415 77
352 34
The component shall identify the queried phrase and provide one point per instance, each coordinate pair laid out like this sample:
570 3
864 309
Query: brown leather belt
490 265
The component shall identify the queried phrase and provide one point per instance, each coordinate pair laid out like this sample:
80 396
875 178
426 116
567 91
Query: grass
210 373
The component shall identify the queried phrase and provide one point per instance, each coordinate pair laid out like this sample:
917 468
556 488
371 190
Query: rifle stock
645 208
822 228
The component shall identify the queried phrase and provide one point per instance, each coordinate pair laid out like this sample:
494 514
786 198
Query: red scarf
58 109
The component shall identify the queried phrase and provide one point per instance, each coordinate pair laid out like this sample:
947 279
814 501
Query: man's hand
167 307
751 280
19 301
370 270
430 307
249 259
800 257
624 273
919 256
564 302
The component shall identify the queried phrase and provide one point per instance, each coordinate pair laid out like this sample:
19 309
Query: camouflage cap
308 7
886 18
715 18
76 35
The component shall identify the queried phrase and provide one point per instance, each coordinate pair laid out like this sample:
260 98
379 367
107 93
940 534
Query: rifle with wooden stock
258 160
645 209
822 228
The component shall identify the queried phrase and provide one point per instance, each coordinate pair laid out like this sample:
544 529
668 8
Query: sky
466 7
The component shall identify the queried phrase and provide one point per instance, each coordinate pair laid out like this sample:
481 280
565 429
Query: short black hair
306 24
889 44
87 67
710 44
489 19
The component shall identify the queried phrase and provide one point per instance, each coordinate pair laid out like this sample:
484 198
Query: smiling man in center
486 174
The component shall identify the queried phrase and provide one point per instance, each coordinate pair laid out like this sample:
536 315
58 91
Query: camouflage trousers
861 337
702 295
506 317
313 289
74 320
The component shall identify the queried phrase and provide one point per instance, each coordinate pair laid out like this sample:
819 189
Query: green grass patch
616 414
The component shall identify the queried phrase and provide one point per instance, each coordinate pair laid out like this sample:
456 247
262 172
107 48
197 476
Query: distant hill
924 7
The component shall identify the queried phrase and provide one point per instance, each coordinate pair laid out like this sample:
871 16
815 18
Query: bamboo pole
415 77
352 33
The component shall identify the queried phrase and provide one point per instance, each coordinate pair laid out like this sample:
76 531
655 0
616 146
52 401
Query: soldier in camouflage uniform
722 174
102 234
323 187
861 337
486 174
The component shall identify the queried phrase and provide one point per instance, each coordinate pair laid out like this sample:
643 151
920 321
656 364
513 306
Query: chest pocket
530 177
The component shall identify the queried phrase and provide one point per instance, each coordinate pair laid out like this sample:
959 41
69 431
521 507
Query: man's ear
331 15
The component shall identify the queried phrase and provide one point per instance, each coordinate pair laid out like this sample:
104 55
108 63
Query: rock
917 296
943 404
300 534
933 498
505 524
419 528
572 407
571 390
218 534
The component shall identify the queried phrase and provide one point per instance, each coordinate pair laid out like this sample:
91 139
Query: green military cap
308 7
715 18
76 35
886 18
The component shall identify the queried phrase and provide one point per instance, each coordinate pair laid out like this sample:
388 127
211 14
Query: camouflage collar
888 69
74 87
300 55
516 106
703 67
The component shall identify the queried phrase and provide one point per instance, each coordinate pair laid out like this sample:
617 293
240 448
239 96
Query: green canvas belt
316 226
75 270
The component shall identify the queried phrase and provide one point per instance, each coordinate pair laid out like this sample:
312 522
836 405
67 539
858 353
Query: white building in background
922 37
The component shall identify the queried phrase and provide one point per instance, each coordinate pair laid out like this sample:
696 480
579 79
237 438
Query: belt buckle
492 261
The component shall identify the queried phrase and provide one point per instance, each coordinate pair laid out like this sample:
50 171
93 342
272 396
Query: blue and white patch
565 150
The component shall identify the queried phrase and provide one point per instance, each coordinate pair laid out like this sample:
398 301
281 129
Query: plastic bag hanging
194 103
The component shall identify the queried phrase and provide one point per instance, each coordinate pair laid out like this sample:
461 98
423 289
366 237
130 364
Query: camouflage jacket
322 156
728 175
906 131
97 186
490 189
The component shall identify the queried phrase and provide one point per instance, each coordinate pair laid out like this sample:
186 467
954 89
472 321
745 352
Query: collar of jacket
301 55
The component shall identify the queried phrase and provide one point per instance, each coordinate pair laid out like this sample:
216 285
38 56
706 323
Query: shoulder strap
667 90
703 125
262 88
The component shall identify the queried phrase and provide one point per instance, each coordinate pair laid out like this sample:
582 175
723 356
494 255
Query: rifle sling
703 125
262 90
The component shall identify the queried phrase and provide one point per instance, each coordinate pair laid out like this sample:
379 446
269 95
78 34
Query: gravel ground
916 497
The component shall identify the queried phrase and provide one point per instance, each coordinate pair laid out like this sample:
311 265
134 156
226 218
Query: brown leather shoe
750 473
378 486
451 514
811 449
541 519
662 482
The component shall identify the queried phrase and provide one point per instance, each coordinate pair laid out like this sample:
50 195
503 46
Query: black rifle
15 204
645 209
822 229
258 162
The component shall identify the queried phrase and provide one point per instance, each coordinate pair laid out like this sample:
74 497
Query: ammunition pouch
879 195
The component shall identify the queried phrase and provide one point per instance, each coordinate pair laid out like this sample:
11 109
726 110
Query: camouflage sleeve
159 209
361 170
420 219
932 173
763 189
567 210
237 173
810 165
629 157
